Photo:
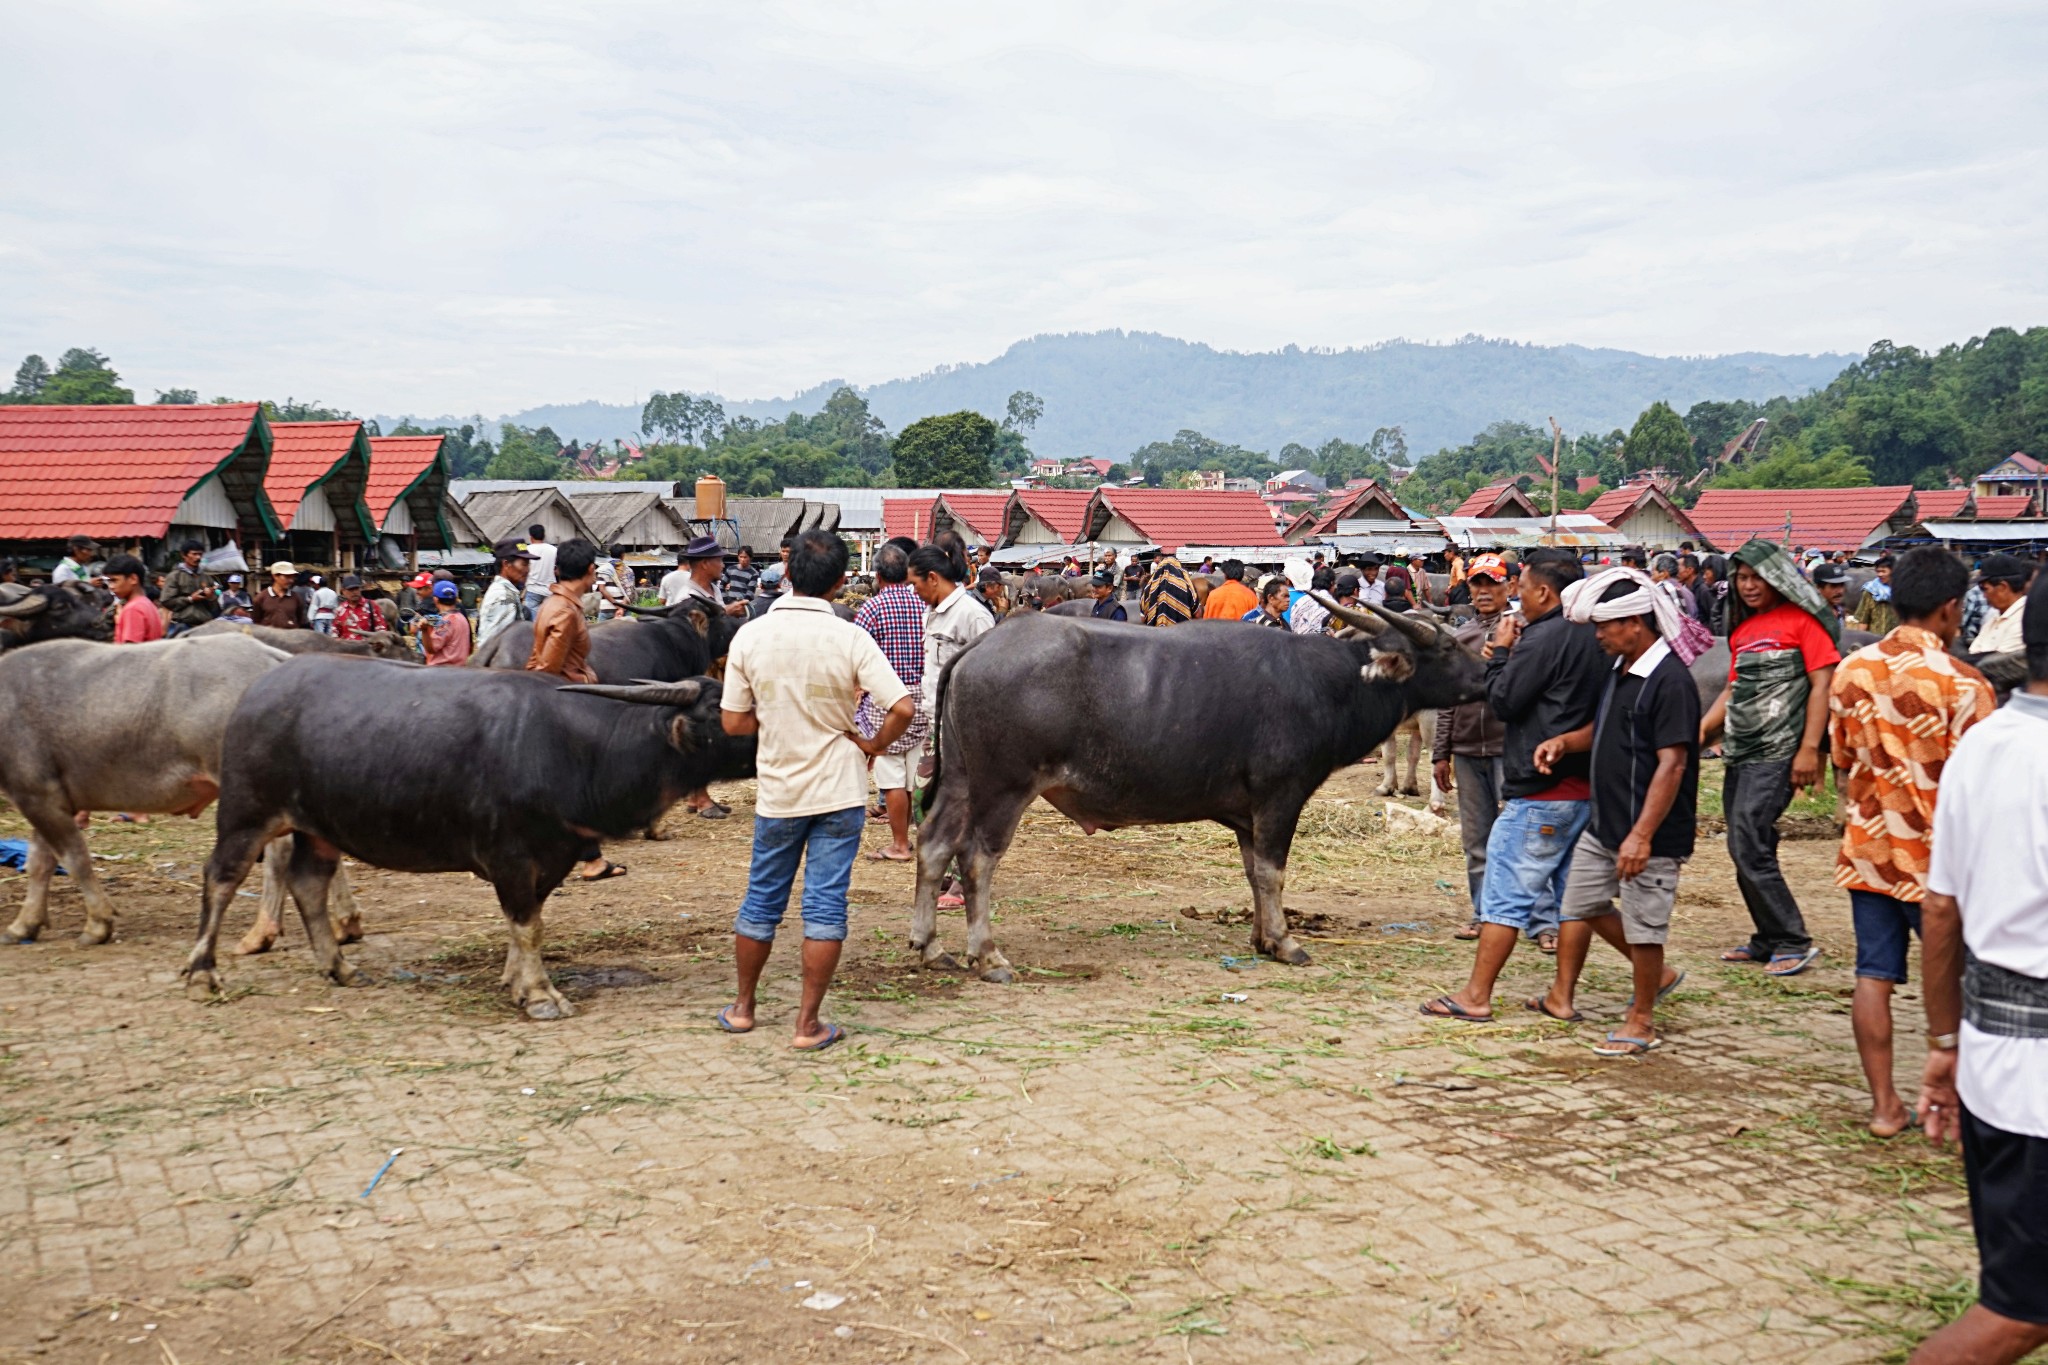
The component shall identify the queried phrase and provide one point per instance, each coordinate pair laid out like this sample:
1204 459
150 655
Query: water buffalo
1118 727
54 611
669 645
381 644
506 775
120 727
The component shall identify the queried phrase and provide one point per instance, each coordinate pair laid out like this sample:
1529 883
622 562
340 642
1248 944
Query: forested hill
1109 393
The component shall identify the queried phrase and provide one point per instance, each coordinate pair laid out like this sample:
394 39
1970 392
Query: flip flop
1443 1007
882 855
1536 1003
1742 954
1467 932
1673 984
833 1033
726 1023
714 812
1618 1046
1792 964
952 900
611 870
1549 947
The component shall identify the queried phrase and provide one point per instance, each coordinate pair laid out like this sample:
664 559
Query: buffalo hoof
202 986
349 930
941 961
653 835
93 935
1001 976
549 1007
348 974
18 932
260 939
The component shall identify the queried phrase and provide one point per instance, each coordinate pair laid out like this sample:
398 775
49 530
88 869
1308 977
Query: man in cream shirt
793 678
2004 580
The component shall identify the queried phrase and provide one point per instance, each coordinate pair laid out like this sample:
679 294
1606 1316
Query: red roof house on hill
318 471
408 481
1173 517
129 472
979 517
1821 518
1646 515
913 517
1497 500
1044 516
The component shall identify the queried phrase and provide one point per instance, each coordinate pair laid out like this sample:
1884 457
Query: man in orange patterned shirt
1896 710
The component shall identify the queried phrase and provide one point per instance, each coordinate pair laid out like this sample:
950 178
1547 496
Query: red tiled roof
1616 506
1944 504
1063 509
306 453
981 511
1357 495
1588 482
1173 517
118 472
1822 518
398 465
908 517
2025 462
1485 501
1994 509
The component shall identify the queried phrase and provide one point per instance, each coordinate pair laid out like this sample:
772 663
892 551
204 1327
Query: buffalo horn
1421 632
16 600
1362 617
661 612
682 693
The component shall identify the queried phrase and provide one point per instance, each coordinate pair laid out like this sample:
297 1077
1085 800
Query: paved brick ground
1107 1160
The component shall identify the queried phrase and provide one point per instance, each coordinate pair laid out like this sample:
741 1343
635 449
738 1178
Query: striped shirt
1896 710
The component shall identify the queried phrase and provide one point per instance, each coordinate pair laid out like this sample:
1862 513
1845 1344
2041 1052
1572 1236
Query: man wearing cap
79 551
277 605
1984 952
697 576
541 577
1102 588
446 637
1372 589
234 603
991 592
189 595
505 599
320 608
355 616
2004 579
1831 580
1470 740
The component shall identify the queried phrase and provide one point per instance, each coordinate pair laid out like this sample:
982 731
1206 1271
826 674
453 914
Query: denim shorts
1526 856
1884 929
826 845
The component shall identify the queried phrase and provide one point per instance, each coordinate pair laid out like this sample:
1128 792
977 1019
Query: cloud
459 207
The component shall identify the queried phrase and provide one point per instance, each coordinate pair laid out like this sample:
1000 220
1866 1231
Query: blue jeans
1884 929
1526 858
826 845
534 599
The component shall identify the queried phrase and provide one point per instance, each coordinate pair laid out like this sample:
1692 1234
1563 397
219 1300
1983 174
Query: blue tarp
14 853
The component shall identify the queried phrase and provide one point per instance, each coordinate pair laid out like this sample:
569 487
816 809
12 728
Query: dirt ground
1115 1159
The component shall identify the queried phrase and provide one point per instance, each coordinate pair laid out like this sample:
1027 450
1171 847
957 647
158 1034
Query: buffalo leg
995 824
1264 849
57 830
311 871
35 900
348 916
524 975
234 853
269 925
943 835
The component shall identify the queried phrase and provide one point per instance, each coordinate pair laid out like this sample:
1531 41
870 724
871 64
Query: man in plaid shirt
895 617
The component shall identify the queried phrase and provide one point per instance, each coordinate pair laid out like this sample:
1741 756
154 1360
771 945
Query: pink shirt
451 640
139 622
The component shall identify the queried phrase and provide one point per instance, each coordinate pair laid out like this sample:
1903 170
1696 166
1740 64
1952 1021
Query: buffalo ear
680 736
1391 665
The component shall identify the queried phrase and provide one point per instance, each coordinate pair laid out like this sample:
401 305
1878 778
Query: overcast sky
477 207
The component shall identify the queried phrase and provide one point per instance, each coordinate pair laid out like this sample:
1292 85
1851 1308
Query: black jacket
1547 684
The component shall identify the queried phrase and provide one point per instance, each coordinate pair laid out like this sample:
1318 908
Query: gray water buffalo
382 644
506 775
54 611
125 728
1044 707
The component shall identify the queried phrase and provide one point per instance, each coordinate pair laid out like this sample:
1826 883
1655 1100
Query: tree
946 452
524 454
1024 410
83 375
1659 440
177 395
1792 465
1192 450
682 417
29 379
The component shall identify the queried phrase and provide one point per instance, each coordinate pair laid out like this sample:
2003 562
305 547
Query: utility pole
1556 445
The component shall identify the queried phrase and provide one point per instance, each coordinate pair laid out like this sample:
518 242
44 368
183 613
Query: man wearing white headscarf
1644 742
1306 616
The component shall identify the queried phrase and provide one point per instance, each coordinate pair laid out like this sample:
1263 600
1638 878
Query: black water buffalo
54 611
1115 726
379 644
505 775
669 645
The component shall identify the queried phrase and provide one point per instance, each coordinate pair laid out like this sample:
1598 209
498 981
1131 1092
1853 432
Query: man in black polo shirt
1644 739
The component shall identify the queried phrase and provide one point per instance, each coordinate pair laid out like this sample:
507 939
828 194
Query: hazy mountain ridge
1108 393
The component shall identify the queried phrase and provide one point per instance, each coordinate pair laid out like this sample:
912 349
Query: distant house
1297 481
1363 500
1645 516
1173 517
1497 500
1046 467
506 515
1810 518
977 516
1095 468
1046 516
2016 473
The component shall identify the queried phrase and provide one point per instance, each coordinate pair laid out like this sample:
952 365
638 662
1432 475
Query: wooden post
1556 444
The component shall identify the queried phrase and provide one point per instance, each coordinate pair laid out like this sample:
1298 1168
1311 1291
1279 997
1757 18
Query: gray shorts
1591 885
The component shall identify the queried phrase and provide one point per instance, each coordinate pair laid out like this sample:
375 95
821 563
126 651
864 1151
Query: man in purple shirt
895 617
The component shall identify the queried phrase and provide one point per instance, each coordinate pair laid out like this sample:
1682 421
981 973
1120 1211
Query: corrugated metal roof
118 472
332 455
460 489
1402 543
1980 532
1575 530
860 509
1820 518
1186 516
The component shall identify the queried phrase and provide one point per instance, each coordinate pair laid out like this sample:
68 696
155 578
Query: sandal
1467 932
1618 1046
952 900
833 1033
1541 1005
725 1021
714 811
611 870
1792 964
1743 954
1547 943
1443 1007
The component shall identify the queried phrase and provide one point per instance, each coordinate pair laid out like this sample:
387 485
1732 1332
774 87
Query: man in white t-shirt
540 575
794 678
1984 943
320 611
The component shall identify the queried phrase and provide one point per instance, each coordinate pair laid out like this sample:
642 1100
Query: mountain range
1109 393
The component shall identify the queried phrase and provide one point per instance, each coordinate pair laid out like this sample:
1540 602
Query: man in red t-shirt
1783 650
139 621
355 617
